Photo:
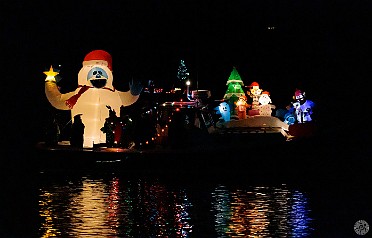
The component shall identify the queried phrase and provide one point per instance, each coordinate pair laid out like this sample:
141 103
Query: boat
191 127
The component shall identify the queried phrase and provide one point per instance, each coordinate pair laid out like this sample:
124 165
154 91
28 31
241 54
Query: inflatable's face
224 109
241 102
290 119
256 91
300 98
95 74
264 99
98 77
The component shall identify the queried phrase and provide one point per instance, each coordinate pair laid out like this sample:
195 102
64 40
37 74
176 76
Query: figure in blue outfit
300 111
303 107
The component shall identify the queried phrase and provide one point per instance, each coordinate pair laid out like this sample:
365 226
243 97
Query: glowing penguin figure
224 110
95 91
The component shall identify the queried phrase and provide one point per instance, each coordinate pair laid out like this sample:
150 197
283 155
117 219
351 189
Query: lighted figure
224 110
234 91
265 107
303 107
255 93
242 106
94 92
290 115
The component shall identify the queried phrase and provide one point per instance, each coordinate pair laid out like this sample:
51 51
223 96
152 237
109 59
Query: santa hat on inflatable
298 92
99 55
254 84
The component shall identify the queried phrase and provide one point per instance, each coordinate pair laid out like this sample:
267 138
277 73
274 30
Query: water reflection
140 207
113 208
260 212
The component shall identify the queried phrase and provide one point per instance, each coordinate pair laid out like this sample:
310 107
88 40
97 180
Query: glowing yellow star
50 74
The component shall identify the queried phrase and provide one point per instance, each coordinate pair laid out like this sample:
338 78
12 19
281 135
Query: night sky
320 46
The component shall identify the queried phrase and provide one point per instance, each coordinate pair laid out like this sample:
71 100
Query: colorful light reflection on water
113 208
260 212
117 207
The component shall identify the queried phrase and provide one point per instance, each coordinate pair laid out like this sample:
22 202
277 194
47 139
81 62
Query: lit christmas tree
234 92
182 76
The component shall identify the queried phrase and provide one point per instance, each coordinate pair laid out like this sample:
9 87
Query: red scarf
72 100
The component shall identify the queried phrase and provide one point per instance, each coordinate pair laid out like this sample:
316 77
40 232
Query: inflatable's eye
96 73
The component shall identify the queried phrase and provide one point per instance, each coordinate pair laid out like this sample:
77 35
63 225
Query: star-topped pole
51 74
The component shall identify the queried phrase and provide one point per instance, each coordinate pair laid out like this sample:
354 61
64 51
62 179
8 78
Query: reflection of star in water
51 73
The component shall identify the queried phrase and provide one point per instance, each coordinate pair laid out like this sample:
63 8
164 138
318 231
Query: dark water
265 194
113 205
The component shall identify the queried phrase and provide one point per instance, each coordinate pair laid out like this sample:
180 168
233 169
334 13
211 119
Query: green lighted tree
234 85
234 91
182 75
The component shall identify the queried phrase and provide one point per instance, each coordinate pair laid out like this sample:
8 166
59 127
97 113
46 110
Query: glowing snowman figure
95 91
265 106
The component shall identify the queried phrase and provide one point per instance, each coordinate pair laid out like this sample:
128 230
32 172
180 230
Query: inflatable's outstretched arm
52 92
131 96
55 97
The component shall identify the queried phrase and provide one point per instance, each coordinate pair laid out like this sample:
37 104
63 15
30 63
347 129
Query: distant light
271 27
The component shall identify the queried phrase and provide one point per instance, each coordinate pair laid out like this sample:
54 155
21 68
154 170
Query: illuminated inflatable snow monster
94 93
